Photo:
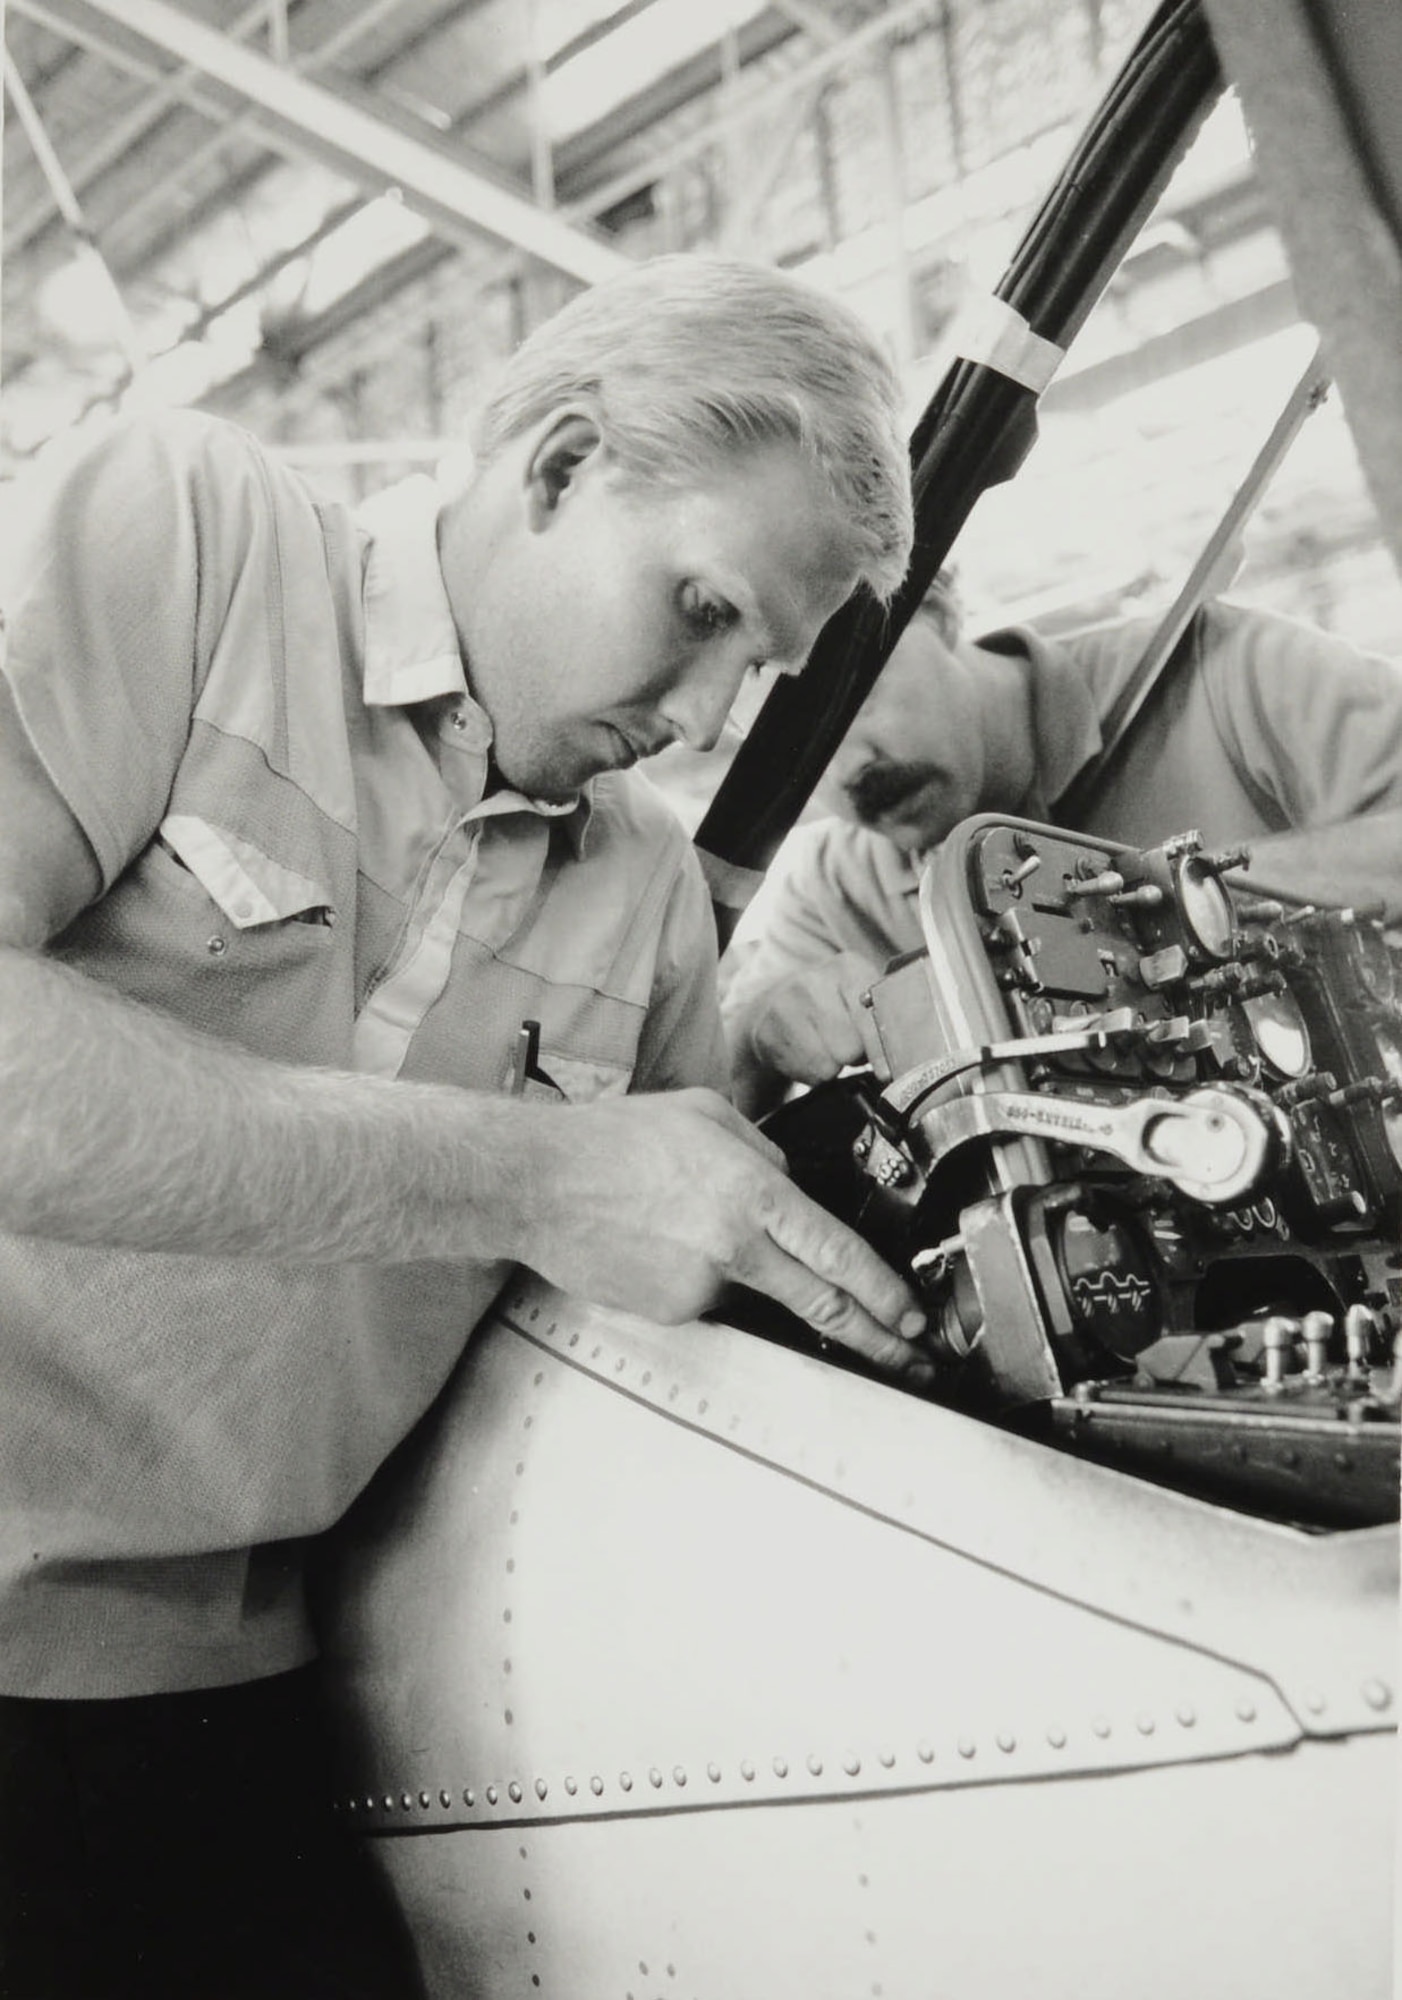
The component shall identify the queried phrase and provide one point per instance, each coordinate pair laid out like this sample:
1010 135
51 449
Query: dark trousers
182 1847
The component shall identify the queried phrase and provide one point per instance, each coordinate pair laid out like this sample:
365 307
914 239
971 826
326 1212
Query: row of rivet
1341 1460
1146 1725
1375 1692
703 1406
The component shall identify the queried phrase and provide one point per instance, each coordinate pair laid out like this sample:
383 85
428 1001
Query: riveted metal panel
573 1604
634 1589
1258 1875
1315 1613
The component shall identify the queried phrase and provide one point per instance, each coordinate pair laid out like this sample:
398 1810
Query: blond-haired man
343 966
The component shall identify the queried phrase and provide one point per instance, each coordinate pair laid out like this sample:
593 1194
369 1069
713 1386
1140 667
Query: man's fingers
808 1035
836 1254
825 1273
807 1027
834 1314
856 975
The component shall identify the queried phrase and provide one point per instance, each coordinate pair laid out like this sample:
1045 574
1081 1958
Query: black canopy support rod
979 425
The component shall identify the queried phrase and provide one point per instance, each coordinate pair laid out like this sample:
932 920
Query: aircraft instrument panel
1135 1133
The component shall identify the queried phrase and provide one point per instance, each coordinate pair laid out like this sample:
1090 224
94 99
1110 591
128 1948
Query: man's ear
561 452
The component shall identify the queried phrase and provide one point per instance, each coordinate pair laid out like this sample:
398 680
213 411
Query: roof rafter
769 101
814 19
457 200
165 94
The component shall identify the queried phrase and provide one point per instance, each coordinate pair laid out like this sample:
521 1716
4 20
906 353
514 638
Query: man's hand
802 1029
653 1203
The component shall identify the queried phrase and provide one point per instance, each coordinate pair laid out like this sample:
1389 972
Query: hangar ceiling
206 157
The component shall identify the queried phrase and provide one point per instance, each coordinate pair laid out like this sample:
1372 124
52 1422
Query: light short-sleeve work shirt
253 703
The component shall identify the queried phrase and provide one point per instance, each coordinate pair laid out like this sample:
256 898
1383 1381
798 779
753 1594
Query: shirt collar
411 642
896 869
1065 725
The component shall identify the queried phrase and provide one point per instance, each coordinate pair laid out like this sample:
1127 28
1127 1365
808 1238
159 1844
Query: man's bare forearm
121 1126
1358 862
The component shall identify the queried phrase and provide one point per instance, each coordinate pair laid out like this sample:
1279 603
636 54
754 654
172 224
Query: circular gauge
1377 969
1205 906
1390 1053
1389 1042
1280 1032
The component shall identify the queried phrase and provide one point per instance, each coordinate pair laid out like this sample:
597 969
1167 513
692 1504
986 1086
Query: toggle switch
1317 1328
1278 1336
1358 1337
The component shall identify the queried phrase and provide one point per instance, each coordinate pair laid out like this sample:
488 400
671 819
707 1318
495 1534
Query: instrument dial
1280 1033
1390 1053
1377 969
1205 905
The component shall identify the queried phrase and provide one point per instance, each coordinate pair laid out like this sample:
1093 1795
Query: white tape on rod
991 331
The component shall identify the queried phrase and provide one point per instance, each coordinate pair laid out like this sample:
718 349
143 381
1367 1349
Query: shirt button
216 946
458 718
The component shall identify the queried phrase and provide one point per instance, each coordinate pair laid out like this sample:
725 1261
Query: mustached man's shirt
1271 727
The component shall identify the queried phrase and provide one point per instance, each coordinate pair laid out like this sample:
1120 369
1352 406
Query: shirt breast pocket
208 928
250 888
580 1080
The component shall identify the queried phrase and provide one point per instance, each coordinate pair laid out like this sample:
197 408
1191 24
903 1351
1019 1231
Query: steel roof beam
303 116
808 80
814 19
117 140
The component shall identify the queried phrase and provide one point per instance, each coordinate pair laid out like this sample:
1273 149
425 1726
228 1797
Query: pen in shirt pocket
525 1077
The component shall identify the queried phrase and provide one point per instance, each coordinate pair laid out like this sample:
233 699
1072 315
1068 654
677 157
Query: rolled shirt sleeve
832 887
116 596
1313 724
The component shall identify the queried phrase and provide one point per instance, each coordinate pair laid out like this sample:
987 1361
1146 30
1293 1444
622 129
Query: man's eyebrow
778 636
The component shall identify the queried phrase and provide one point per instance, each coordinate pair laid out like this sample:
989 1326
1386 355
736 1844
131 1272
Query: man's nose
696 708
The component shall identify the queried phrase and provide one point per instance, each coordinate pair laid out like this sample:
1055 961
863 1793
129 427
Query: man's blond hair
686 359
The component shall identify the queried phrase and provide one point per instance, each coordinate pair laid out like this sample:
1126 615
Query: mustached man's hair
684 360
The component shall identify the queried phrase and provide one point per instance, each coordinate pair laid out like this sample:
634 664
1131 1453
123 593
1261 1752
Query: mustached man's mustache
882 787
